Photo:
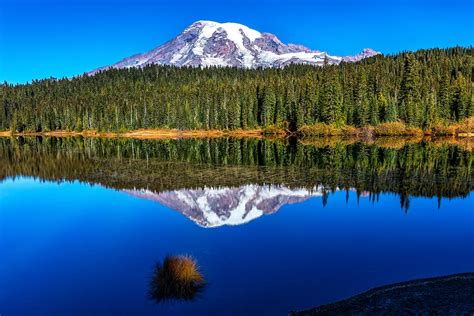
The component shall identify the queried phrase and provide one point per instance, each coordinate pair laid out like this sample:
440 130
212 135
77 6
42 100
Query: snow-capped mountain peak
215 38
235 31
209 43
365 53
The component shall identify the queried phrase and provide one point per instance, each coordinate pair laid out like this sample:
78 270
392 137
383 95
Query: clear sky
52 38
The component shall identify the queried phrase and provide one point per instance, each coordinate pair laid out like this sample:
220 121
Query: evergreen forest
421 89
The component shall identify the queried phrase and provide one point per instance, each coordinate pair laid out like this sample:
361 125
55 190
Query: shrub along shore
388 129
464 128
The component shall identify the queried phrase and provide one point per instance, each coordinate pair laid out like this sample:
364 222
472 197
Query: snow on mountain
208 43
366 53
214 207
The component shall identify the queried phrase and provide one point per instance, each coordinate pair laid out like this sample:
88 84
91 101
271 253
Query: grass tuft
463 128
396 129
274 130
320 129
178 277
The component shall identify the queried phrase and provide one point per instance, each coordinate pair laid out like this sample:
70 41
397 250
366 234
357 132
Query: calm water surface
274 225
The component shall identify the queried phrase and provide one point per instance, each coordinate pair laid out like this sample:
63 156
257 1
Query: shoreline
443 294
143 134
251 133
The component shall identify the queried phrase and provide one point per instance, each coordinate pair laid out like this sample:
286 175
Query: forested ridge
421 89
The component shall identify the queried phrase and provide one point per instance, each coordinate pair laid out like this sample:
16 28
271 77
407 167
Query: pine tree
348 102
383 106
268 111
410 90
460 99
291 106
361 101
444 97
330 102
431 117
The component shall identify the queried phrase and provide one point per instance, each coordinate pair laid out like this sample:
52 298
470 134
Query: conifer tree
410 90
361 100
330 102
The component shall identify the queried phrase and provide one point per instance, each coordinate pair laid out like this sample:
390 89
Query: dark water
274 225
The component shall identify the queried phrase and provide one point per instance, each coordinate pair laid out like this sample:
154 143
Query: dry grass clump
413 131
463 128
320 129
274 130
348 130
177 278
466 126
442 130
396 129
366 131
239 132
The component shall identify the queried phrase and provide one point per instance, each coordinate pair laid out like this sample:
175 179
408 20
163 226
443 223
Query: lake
274 225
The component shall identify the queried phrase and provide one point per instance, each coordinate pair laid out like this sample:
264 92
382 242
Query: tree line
421 89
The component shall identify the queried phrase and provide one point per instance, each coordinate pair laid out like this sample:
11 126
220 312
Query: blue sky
52 38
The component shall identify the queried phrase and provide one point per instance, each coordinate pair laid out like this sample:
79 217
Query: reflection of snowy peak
213 207
207 43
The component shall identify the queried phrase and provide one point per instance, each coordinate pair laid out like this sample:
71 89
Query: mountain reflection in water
214 207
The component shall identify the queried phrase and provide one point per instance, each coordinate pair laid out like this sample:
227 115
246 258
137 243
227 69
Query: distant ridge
208 43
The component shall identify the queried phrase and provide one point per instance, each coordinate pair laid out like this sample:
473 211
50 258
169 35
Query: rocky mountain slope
208 43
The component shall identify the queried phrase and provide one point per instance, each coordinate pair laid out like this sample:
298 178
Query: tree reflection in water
439 168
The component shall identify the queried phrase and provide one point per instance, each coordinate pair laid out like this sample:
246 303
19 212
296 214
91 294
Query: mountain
214 207
366 53
207 43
